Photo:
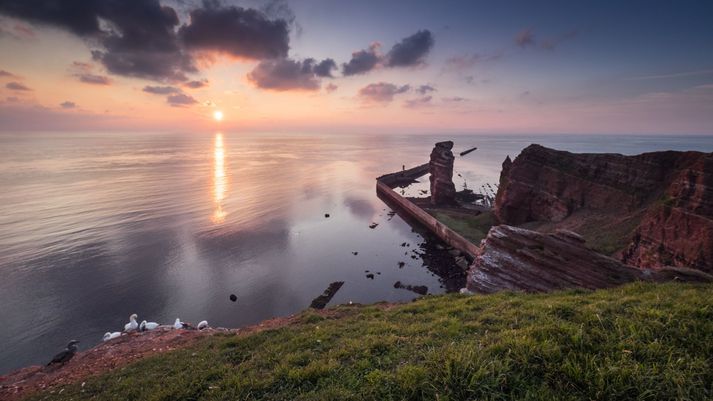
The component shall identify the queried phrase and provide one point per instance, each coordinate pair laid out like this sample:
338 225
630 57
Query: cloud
180 100
363 61
240 32
85 73
411 51
287 74
68 105
330 87
381 92
324 68
673 75
161 90
143 39
7 74
16 30
454 99
525 38
16 86
464 62
423 89
196 84
418 102
89 78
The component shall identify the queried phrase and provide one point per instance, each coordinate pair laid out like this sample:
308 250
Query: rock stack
443 191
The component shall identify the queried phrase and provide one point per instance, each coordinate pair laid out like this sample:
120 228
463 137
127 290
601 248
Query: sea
97 226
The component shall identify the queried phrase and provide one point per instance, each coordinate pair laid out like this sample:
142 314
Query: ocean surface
94 227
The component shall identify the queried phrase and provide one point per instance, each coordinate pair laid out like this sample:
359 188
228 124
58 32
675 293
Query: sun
218 115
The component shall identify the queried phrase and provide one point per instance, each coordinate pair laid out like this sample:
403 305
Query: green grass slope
641 341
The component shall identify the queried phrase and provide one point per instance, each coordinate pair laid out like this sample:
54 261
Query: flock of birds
133 326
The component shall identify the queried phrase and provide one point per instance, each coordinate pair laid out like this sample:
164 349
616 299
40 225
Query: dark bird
66 354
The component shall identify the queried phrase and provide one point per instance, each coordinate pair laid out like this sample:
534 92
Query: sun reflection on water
219 180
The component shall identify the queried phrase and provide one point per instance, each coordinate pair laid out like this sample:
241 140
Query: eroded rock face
672 190
517 259
443 191
678 229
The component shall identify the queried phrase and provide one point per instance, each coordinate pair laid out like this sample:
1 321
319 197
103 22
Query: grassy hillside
641 341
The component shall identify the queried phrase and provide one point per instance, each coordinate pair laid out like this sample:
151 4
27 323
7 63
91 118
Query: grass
472 228
640 341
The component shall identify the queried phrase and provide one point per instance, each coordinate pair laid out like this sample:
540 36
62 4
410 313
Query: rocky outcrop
673 191
678 229
443 191
518 259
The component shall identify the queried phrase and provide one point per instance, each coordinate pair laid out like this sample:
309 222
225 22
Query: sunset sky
357 66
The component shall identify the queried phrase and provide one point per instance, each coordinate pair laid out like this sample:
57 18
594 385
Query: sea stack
443 191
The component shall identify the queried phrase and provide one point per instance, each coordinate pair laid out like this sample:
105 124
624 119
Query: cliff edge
650 210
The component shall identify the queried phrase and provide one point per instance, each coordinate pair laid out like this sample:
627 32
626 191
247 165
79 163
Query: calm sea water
94 227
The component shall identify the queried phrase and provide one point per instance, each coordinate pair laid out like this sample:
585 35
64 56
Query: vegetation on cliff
639 341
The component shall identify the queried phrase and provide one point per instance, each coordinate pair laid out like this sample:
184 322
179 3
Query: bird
148 326
132 325
178 324
66 354
110 336
202 325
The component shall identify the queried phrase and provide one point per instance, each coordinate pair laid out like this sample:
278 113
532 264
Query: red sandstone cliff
655 209
518 259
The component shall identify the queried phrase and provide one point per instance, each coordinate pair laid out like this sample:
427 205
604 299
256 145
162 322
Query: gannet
202 325
110 336
148 326
132 325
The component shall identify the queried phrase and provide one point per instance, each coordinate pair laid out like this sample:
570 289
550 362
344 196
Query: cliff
560 345
518 259
649 210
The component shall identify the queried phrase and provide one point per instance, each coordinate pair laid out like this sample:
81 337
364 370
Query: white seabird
110 336
148 326
132 325
202 325
178 324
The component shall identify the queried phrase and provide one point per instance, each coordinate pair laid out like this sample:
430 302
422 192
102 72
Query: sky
332 66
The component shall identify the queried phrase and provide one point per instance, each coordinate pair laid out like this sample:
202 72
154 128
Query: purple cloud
381 92
16 86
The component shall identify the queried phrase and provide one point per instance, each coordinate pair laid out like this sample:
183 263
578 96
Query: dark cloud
525 38
381 92
324 68
12 99
330 87
418 102
180 100
286 74
196 84
67 105
411 51
139 38
423 89
89 78
161 90
16 86
240 32
363 61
